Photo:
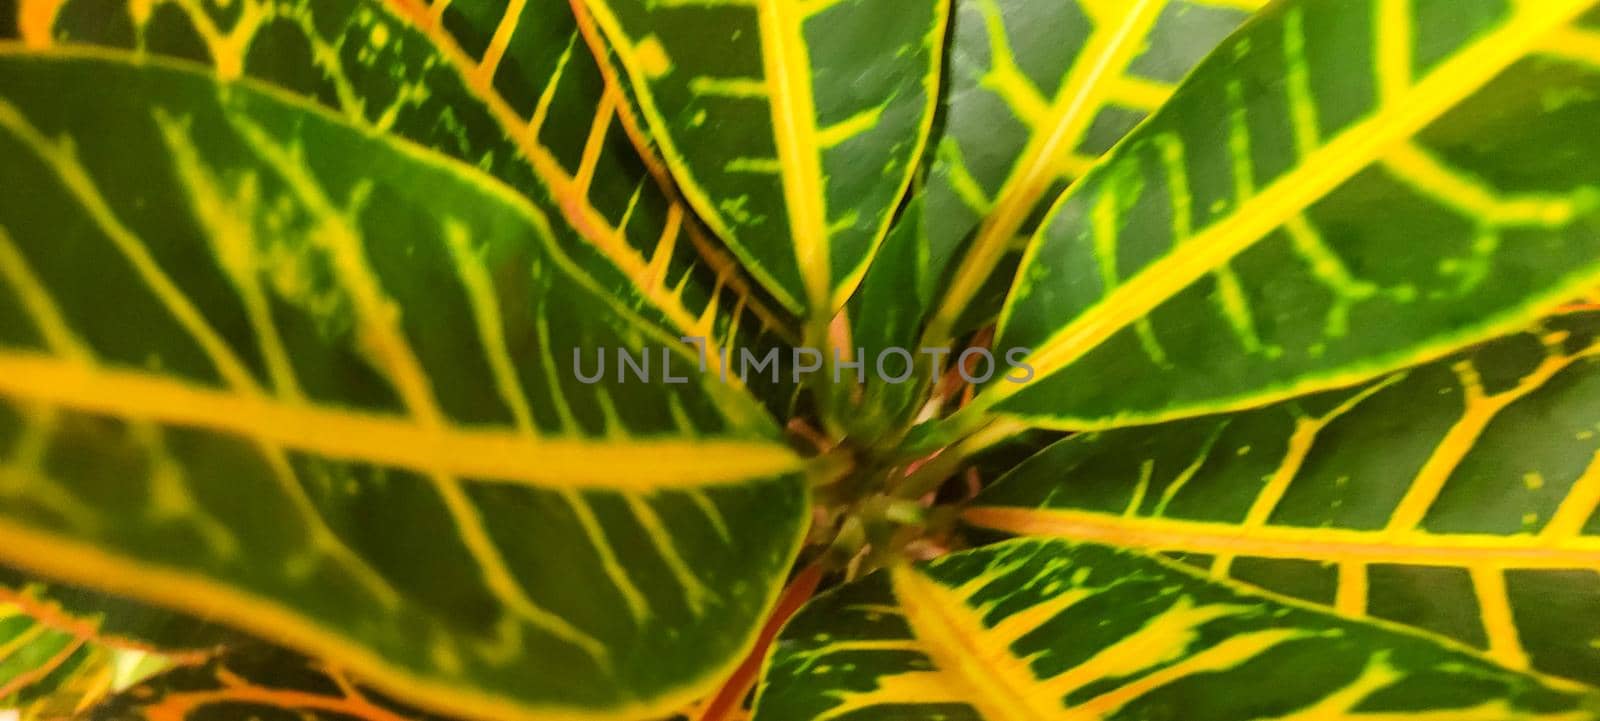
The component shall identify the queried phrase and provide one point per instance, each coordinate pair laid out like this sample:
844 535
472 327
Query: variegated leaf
570 120
1342 189
1458 497
1038 92
885 314
45 671
506 86
794 130
1048 630
264 365
63 648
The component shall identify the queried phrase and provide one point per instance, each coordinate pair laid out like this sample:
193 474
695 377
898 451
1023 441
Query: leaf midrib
695 195
794 123
484 454
1000 685
1415 547
1069 116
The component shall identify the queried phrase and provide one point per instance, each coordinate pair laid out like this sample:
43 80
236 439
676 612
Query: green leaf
885 314
794 130
1458 497
1038 92
46 671
505 86
63 648
1342 189
1059 631
565 114
263 365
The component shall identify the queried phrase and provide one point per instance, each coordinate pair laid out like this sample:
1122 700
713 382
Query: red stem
730 697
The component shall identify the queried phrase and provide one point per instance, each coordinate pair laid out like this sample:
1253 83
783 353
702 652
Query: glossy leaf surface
1342 189
266 406
547 101
1038 92
1055 631
1458 497
794 129
505 86
529 64
886 314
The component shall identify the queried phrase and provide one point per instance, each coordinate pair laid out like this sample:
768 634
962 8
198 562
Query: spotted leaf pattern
1059 631
1038 93
796 132
1458 497
267 408
297 296
1336 192
506 86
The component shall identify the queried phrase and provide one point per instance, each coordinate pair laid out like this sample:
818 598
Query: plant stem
932 474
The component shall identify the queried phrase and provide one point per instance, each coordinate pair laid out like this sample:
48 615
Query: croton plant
799 360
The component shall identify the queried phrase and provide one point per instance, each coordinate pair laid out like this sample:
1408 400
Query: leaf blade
778 114
63 649
507 87
1472 477
1145 275
451 612
1051 117
984 634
